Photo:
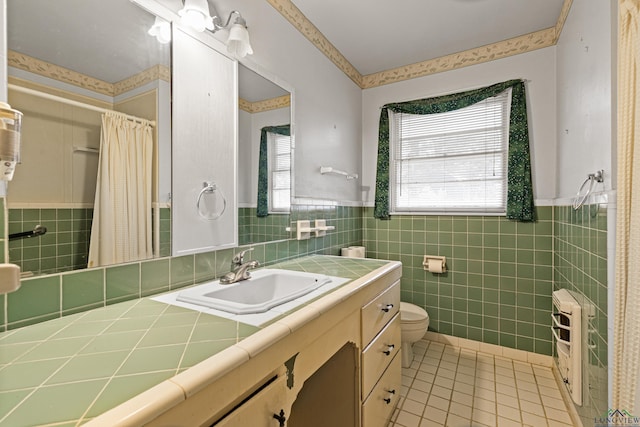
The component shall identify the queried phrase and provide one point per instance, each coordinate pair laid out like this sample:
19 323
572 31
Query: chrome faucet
239 268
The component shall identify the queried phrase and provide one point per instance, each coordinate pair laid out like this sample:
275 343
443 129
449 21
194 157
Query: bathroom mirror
264 117
78 53
85 54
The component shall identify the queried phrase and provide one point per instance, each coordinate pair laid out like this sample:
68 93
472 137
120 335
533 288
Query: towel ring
210 188
592 179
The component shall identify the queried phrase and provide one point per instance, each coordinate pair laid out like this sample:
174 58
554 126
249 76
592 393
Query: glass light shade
238 42
195 14
161 30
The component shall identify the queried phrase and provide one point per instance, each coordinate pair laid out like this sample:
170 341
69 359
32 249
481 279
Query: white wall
327 104
537 67
586 95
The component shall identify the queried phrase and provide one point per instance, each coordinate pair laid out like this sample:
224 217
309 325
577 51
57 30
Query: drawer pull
388 399
389 349
387 308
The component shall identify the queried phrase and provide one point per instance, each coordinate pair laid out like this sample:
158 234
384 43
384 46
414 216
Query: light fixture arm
217 22
197 15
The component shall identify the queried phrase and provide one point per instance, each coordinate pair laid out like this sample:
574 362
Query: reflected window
279 172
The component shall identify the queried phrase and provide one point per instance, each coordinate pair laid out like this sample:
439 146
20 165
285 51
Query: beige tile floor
449 386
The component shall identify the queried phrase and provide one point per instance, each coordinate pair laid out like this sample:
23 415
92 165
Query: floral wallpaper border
65 75
283 101
295 16
514 46
157 72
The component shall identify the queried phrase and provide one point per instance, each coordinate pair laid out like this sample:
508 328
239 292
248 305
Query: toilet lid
410 313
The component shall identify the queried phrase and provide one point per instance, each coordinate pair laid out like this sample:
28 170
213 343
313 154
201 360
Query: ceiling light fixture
196 14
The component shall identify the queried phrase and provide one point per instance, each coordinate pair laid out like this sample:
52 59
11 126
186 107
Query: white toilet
414 322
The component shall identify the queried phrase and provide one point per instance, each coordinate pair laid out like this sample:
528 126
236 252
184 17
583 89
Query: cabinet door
259 410
204 147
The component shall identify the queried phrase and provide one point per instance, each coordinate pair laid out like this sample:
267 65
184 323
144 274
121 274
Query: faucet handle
239 257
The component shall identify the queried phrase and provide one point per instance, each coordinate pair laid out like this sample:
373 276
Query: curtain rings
210 188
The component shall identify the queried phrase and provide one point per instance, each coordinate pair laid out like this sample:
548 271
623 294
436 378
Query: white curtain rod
76 103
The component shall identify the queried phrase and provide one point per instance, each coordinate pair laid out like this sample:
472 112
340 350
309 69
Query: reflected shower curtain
121 229
626 364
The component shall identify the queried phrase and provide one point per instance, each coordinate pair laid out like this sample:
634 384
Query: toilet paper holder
435 264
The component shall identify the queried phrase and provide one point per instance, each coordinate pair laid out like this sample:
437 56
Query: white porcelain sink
265 289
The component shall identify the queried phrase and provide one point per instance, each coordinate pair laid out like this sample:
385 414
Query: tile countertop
66 371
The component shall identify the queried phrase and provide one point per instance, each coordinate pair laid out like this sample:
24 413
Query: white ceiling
106 40
373 36
384 34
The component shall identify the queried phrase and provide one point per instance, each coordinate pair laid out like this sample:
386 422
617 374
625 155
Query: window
279 172
451 162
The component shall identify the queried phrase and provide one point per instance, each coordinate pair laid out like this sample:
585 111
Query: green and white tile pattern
498 286
71 369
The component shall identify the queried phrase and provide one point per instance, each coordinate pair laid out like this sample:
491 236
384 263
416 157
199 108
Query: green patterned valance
520 204
263 167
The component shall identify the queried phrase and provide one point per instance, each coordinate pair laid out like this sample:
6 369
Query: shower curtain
121 229
626 364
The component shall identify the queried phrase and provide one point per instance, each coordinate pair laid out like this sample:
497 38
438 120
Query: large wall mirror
264 162
68 62
102 55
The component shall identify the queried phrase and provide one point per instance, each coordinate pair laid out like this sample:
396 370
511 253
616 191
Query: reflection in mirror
264 172
62 68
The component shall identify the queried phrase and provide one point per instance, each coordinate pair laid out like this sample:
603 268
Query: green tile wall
165 232
497 290
64 247
54 295
252 229
499 281
581 267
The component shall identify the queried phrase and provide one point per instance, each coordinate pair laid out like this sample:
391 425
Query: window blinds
451 162
279 172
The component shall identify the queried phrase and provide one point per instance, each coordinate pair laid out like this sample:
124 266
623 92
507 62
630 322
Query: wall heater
567 330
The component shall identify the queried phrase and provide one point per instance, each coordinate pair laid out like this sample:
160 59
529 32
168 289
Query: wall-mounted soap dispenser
10 127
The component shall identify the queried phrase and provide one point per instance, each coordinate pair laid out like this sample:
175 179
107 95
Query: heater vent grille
567 331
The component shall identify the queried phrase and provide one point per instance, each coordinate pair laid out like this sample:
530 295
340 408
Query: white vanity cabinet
334 362
381 364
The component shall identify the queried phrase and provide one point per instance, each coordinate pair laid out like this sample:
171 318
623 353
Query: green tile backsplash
581 267
64 247
499 281
252 229
46 297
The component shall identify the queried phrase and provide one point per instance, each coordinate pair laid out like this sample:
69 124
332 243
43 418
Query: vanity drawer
377 409
381 351
379 311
